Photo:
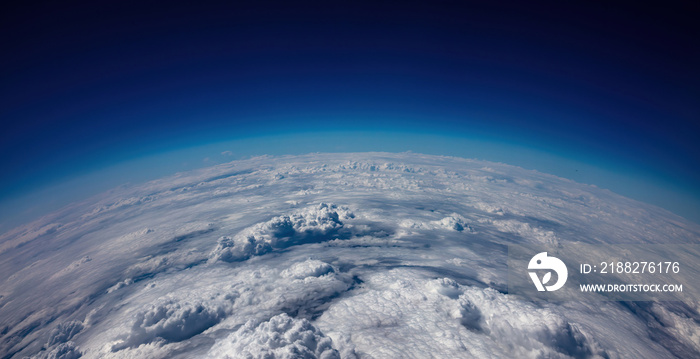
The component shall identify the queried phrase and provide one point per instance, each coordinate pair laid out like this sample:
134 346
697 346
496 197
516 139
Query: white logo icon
541 261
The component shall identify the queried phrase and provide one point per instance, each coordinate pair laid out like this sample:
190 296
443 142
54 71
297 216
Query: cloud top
281 337
320 223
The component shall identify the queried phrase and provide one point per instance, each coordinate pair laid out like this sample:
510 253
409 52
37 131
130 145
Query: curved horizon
612 87
632 183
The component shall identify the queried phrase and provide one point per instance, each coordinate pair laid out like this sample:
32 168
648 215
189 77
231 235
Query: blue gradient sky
604 95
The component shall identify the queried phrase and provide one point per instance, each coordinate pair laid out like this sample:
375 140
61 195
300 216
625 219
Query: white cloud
224 256
280 337
65 332
400 315
323 222
453 222
171 321
309 268
67 350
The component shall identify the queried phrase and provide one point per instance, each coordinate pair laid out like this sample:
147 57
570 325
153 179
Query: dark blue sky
88 84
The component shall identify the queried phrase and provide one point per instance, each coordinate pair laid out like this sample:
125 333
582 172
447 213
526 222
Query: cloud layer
327 256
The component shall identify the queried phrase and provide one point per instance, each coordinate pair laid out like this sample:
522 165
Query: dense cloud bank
327 256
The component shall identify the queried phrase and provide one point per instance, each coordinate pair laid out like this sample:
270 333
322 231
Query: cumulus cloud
393 310
280 337
453 222
67 350
319 223
171 321
399 314
309 268
527 330
226 301
65 332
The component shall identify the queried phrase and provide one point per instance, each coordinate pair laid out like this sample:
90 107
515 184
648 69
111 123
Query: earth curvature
360 255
